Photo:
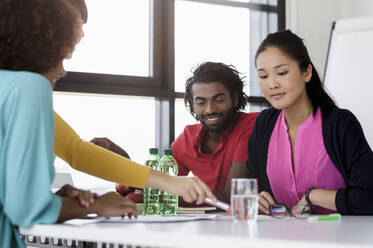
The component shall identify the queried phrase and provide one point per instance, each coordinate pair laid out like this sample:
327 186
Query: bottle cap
153 151
168 152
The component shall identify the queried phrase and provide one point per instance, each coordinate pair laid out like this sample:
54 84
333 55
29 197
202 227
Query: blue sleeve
27 153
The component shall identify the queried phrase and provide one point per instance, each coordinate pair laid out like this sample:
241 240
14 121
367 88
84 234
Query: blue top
26 154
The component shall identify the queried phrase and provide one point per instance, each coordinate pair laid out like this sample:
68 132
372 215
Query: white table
351 231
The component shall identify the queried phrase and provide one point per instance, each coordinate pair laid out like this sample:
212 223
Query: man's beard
227 119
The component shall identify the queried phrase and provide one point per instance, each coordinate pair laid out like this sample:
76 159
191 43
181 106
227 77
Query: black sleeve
252 150
256 166
355 161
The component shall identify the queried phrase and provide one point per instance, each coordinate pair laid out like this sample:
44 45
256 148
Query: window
222 36
229 33
117 33
182 117
128 121
144 50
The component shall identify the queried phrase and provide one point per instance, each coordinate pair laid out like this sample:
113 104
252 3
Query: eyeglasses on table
297 211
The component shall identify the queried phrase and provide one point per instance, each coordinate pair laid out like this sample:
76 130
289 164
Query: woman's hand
85 197
265 200
302 201
107 205
321 197
191 189
113 204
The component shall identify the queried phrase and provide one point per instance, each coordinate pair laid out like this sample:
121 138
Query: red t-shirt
213 168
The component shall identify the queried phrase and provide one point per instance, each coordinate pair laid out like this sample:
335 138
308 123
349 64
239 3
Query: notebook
195 210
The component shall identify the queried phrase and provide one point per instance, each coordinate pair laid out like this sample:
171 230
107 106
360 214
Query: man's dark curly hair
209 72
36 35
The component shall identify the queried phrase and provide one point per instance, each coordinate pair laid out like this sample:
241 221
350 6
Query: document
159 218
195 210
144 219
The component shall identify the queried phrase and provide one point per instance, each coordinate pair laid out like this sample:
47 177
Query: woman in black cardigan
291 84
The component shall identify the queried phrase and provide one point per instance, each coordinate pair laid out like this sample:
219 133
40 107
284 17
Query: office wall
312 20
356 8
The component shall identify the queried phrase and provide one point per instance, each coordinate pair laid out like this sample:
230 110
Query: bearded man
215 149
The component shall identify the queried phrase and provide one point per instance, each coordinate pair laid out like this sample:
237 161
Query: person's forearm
156 179
323 198
95 160
71 209
189 188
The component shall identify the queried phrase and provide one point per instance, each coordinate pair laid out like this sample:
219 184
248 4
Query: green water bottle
152 196
170 202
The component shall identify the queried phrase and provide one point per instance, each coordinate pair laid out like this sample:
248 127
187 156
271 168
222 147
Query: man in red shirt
216 149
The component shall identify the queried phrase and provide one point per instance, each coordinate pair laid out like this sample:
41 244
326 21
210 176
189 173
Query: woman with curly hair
35 37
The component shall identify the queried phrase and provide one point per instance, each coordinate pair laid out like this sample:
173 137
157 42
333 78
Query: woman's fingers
206 190
201 195
113 204
130 212
85 197
263 209
195 189
265 200
129 206
193 193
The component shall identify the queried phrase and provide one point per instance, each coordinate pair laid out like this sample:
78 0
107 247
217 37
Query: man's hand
110 145
85 197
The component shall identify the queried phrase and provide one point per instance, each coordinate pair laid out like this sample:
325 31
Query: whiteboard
349 69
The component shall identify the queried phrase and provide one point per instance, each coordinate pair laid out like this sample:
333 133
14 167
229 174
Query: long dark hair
209 72
290 44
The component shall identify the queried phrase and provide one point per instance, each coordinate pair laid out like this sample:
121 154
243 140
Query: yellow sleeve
94 160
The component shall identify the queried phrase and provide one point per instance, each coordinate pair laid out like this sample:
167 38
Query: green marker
324 217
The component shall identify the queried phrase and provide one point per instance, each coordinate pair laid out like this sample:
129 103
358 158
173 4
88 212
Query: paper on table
143 219
158 218
195 210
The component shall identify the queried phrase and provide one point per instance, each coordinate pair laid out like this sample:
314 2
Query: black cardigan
346 146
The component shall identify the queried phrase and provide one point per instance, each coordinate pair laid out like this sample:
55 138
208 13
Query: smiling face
281 81
213 106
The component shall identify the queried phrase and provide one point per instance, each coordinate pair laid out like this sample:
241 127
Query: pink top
312 165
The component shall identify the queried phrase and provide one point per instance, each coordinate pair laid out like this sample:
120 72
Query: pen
324 217
219 204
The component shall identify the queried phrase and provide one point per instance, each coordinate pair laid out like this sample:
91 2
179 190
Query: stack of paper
195 210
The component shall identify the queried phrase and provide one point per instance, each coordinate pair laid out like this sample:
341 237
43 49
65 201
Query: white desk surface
351 231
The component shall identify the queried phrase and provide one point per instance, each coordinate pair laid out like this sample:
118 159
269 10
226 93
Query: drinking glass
244 199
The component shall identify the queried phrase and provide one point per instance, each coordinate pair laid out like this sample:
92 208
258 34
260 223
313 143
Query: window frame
153 85
160 83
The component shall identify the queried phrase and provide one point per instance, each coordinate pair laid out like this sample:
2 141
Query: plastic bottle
170 202
152 196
